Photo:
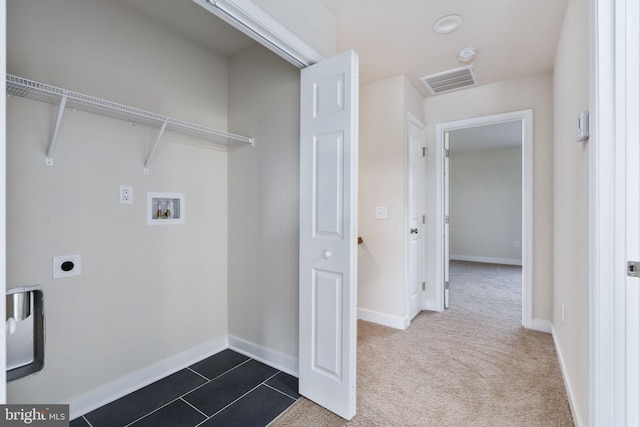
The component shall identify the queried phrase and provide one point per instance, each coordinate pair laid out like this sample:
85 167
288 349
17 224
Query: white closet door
417 228
328 239
447 220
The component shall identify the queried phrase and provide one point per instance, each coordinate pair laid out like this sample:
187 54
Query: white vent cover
447 81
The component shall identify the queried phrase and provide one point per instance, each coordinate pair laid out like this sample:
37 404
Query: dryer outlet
67 266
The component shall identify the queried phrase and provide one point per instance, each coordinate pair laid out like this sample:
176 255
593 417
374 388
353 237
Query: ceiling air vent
447 81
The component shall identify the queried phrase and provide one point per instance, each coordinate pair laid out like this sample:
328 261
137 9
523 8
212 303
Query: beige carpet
472 365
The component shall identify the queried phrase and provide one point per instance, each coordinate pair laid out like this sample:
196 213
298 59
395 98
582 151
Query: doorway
444 131
485 211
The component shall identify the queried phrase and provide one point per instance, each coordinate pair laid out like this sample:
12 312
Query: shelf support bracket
155 147
48 160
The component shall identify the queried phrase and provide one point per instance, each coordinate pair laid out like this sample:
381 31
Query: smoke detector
450 80
467 54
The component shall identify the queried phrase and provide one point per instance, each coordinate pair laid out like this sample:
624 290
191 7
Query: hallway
470 365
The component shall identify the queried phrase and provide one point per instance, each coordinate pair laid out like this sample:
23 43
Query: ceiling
486 137
513 38
193 22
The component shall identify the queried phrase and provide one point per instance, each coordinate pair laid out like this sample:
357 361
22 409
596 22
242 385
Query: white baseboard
132 382
488 260
572 401
383 319
540 325
431 307
265 355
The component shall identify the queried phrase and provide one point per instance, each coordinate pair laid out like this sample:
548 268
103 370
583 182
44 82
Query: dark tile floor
226 389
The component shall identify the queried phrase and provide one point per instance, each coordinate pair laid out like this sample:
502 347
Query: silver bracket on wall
154 148
48 160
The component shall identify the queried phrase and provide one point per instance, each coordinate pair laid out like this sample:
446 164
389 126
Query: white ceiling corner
513 39
189 20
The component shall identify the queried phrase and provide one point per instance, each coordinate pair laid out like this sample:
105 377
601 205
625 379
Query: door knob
414 231
326 254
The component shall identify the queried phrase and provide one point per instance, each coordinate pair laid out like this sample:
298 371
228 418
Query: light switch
382 212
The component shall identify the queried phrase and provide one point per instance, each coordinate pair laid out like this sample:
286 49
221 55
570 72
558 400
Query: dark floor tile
256 409
79 422
175 414
139 403
288 384
219 363
217 394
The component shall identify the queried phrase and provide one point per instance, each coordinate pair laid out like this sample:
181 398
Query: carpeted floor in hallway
472 365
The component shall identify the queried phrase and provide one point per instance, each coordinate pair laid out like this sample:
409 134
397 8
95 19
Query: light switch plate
67 266
382 212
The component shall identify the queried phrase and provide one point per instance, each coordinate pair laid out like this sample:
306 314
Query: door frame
411 119
614 43
526 117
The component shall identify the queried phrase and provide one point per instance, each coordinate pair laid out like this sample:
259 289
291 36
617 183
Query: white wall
145 293
309 20
533 92
486 204
3 186
382 182
264 188
571 206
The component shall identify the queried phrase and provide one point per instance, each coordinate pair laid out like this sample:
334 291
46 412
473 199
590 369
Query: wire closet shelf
65 99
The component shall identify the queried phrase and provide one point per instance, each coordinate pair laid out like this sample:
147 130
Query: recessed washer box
165 208
67 266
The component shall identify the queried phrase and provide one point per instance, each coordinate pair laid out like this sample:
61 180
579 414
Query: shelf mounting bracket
48 160
155 147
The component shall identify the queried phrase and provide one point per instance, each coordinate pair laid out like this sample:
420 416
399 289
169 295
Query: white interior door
632 282
631 15
417 228
328 235
446 227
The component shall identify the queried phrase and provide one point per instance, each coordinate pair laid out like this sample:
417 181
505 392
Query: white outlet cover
126 194
67 266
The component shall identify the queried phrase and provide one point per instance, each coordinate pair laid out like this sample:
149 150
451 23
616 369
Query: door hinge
424 219
424 286
424 151
446 219
633 268
446 153
446 285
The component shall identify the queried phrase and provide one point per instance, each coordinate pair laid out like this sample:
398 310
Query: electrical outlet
516 243
67 266
126 194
